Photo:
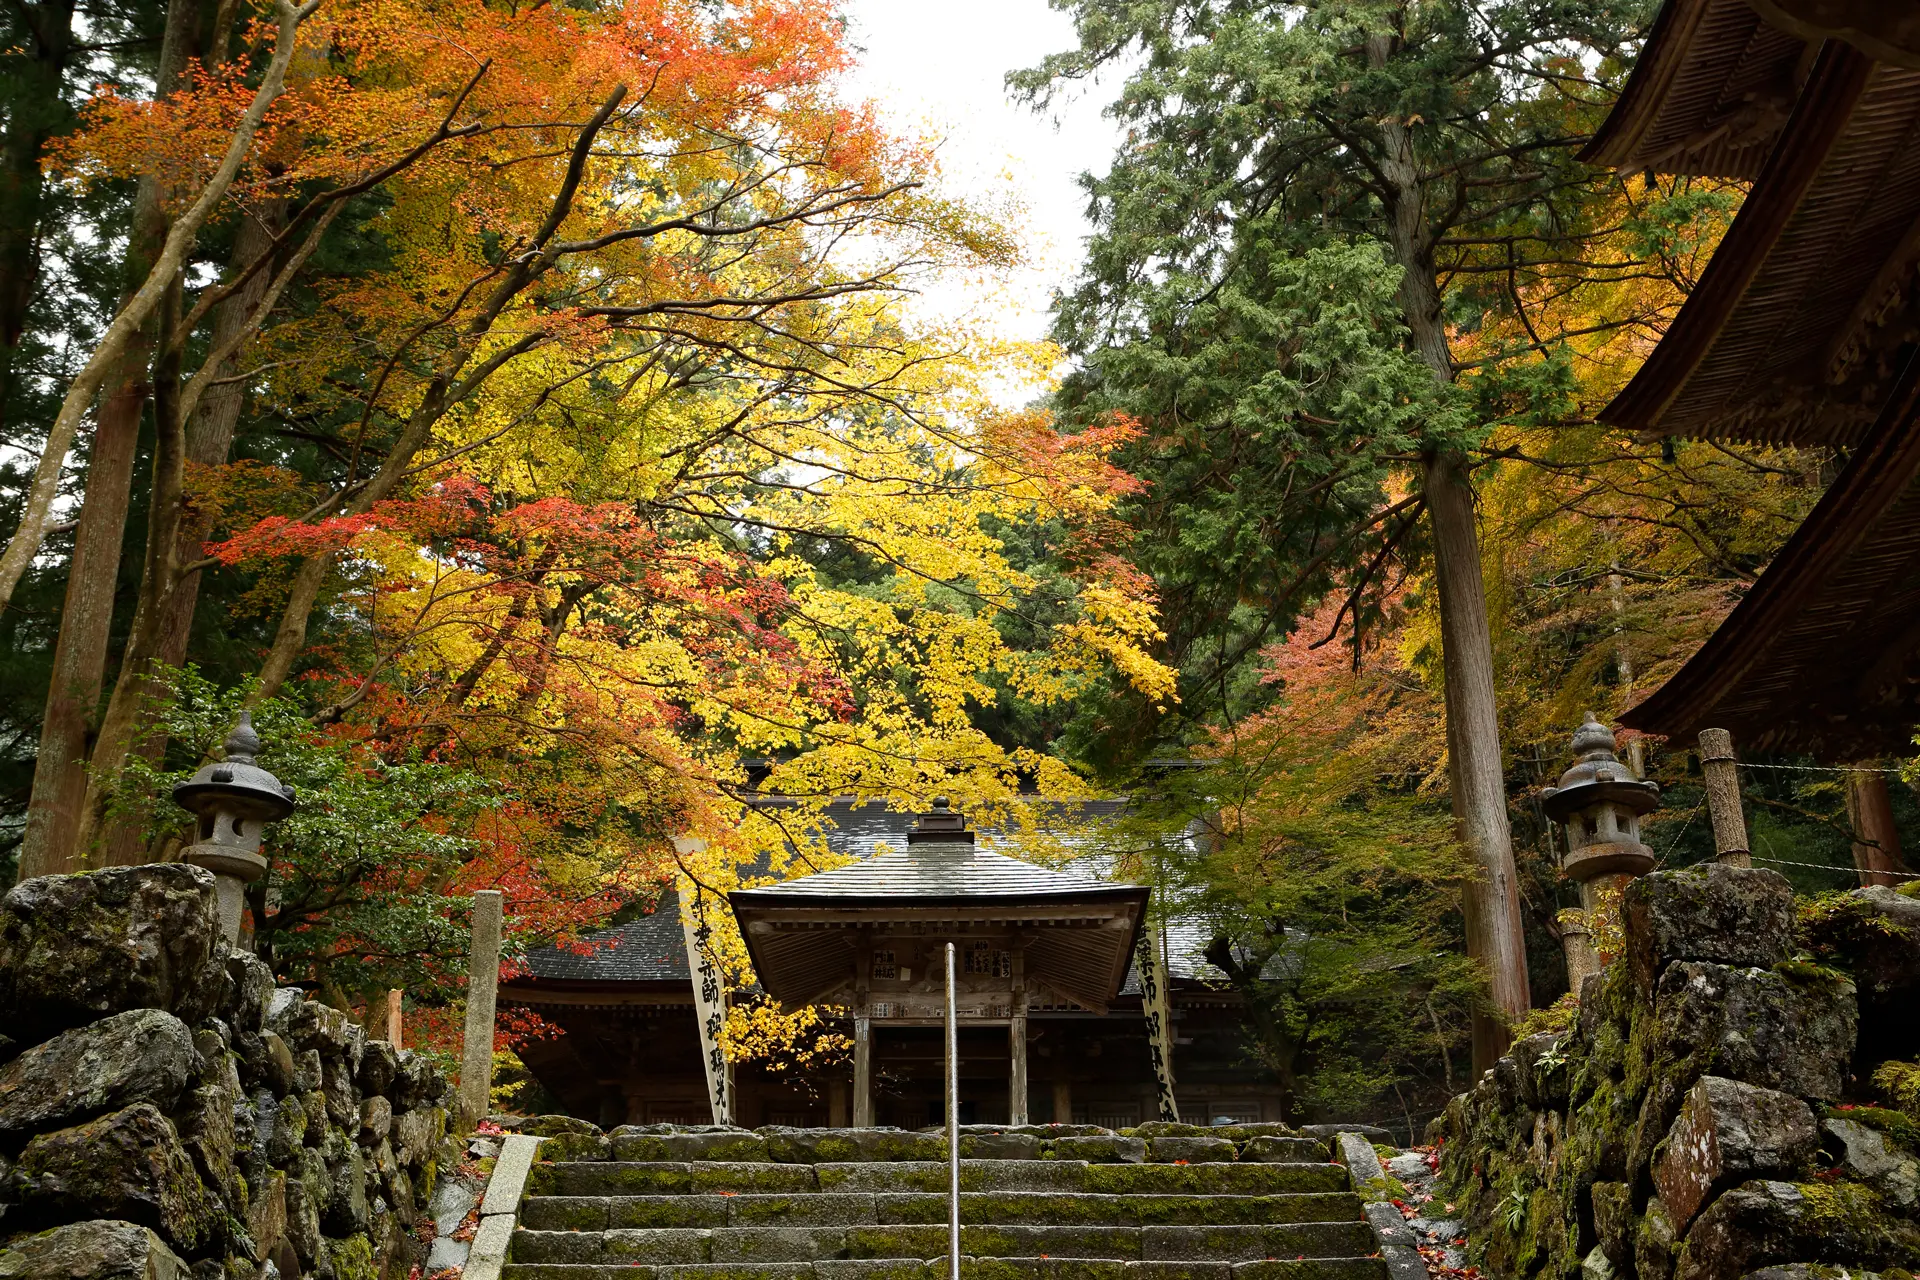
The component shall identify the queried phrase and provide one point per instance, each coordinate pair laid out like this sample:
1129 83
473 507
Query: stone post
483 980
1723 798
393 1019
1577 940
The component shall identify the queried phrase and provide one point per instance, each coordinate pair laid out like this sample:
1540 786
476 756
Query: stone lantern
1600 802
234 800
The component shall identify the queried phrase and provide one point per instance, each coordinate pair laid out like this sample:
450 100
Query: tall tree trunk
1495 935
209 441
166 568
37 111
80 653
118 725
210 434
1491 903
86 617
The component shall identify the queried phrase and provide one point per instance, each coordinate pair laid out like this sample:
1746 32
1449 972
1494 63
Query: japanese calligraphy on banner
709 991
1154 1004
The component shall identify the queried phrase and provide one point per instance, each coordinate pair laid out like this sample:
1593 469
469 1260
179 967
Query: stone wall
1714 1113
165 1110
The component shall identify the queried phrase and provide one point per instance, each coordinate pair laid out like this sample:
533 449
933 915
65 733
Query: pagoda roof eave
1760 347
1708 95
1080 944
1027 904
1823 654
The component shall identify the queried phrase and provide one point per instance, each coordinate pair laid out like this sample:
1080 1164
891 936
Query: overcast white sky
937 68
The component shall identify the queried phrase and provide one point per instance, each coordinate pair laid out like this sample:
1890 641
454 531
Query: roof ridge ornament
943 825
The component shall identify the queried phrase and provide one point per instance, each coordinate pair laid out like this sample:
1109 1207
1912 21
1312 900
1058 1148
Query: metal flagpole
953 1130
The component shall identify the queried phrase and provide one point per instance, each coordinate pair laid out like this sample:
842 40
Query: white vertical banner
1154 1004
709 991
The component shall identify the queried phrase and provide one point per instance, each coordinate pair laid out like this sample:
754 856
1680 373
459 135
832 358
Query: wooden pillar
1062 1100
862 1032
862 1071
1017 1045
1723 798
393 1018
1876 843
837 1110
483 979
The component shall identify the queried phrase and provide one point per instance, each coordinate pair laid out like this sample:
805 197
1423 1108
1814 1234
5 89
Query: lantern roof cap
1597 775
236 781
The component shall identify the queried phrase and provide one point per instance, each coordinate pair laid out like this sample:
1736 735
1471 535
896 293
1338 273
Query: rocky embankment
166 1111
1736 1099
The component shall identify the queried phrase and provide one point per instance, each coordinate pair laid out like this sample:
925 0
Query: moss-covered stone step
1074 1208
842 1209
678 1177
1075 1175
671 1245
665 1143
1273 1148
598 1213
640 1178
1355 1268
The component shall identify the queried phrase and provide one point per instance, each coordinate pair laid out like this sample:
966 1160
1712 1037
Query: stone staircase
1056 1202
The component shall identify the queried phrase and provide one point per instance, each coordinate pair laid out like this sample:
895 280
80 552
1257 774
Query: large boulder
144 1055
345 1213
303 1219
1731 915
1613 1223
376 1121
417 1083
416 1134
1654 1243
1870 1157
207 1129
130 1165
1759 1224
378 1066
77 948
1874 934
1758 1026
97 1250
267 1215
275 1066
1729 1132
252 988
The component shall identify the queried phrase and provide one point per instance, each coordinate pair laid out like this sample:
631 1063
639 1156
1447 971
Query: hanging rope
1828 866
1816 768
1662 860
